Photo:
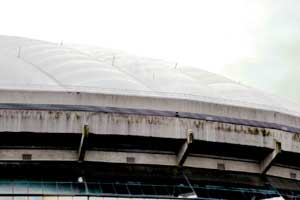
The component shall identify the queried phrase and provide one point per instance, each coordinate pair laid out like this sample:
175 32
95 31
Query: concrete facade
146 126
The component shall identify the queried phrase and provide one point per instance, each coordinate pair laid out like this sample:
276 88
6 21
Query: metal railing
130 189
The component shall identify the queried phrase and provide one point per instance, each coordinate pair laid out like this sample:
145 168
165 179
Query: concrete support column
83 141
183 152
269 159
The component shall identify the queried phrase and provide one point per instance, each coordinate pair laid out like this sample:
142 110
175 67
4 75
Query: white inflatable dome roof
27 64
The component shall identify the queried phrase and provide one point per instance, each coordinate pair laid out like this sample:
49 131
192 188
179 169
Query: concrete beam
7 155
268 161
200 162
138 158
184 150
82 145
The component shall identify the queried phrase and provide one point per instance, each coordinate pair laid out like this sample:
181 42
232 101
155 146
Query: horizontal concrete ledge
201 162
110 124
198 116
65 122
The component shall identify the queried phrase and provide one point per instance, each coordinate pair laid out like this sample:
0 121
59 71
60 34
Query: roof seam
44 72
38 68
116 67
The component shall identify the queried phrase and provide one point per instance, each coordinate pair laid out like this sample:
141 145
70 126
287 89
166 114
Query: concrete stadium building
81 122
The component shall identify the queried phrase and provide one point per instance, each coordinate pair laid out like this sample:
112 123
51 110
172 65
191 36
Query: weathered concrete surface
156 103
148 126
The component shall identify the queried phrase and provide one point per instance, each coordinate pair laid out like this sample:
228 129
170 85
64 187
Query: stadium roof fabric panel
27 64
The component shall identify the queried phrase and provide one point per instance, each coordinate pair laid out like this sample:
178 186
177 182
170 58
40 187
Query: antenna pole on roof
19 52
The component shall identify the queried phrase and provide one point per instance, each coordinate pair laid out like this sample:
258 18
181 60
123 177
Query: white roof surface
27 64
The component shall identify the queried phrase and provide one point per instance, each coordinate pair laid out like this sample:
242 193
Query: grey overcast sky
256 42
